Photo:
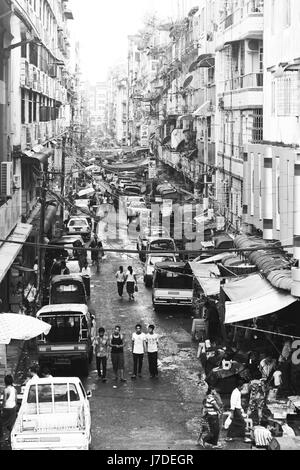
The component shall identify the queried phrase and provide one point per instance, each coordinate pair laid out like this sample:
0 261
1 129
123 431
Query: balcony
9 215
242 92
211 157
245 22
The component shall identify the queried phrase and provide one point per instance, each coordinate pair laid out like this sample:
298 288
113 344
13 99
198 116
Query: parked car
80 225
150 263
67 289
133 209
166 244
65 246
131 189
145 235
54 415
70 340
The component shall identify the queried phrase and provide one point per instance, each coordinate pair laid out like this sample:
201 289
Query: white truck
54 415
172 285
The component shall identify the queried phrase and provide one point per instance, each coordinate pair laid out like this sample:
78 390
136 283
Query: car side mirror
89 394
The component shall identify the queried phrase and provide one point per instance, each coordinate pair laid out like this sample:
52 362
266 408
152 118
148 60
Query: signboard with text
152 169
144 135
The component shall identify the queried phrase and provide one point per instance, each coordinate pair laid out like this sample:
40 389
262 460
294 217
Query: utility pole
63 174
205 195
42 226
128 99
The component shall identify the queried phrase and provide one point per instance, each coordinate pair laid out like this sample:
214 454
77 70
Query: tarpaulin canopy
253 297
10 250
206 276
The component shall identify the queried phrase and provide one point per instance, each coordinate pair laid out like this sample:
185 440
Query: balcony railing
251 80
251 7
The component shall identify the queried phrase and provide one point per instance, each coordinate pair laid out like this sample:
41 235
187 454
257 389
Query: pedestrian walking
138 350
237 428
9 408
120 275
131 282
86 277
117 344
101 345
152 350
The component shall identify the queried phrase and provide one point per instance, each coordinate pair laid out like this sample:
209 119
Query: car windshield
162 245
161 259
64 328
78 223
46 394
171 280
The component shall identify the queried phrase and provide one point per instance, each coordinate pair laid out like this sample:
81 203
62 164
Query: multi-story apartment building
270 204
36 89
96 99
116 105
239 72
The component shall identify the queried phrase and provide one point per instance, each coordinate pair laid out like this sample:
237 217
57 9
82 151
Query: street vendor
257 399
267 367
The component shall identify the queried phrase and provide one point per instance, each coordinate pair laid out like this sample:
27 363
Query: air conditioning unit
6 179
253 45
17 181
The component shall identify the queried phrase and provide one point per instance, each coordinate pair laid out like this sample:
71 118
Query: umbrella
18 326
220 373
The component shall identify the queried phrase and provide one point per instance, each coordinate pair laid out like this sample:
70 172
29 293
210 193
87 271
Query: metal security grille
287 95
257 129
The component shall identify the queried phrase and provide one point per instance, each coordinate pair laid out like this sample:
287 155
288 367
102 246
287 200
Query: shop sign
152 169
144 135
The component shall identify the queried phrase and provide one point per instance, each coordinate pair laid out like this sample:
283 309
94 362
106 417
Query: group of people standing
129 278
141 343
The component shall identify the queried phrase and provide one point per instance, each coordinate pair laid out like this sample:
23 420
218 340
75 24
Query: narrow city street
146 413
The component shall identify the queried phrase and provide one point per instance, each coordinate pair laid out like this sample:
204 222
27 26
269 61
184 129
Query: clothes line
265 331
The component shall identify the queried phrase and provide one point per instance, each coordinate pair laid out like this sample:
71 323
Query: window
30 106
273 17
287 4
23 119
34 107
273 97
287 95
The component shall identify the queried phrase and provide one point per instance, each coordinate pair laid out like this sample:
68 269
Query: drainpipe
268 196
296 270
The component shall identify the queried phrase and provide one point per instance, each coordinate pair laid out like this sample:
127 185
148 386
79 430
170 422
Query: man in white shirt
152 348
138 349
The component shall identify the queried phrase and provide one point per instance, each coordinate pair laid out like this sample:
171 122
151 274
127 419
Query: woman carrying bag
131 283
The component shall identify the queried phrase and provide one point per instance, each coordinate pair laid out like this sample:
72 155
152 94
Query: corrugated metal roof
274 264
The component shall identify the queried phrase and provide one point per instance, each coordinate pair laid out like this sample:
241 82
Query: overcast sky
102 27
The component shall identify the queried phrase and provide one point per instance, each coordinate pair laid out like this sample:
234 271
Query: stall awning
253 297
9 250
206 275
206 60
49 217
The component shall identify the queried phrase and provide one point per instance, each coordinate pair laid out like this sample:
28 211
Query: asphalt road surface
146 413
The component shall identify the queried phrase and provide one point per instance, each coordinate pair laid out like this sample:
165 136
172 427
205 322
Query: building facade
36 90
269 168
